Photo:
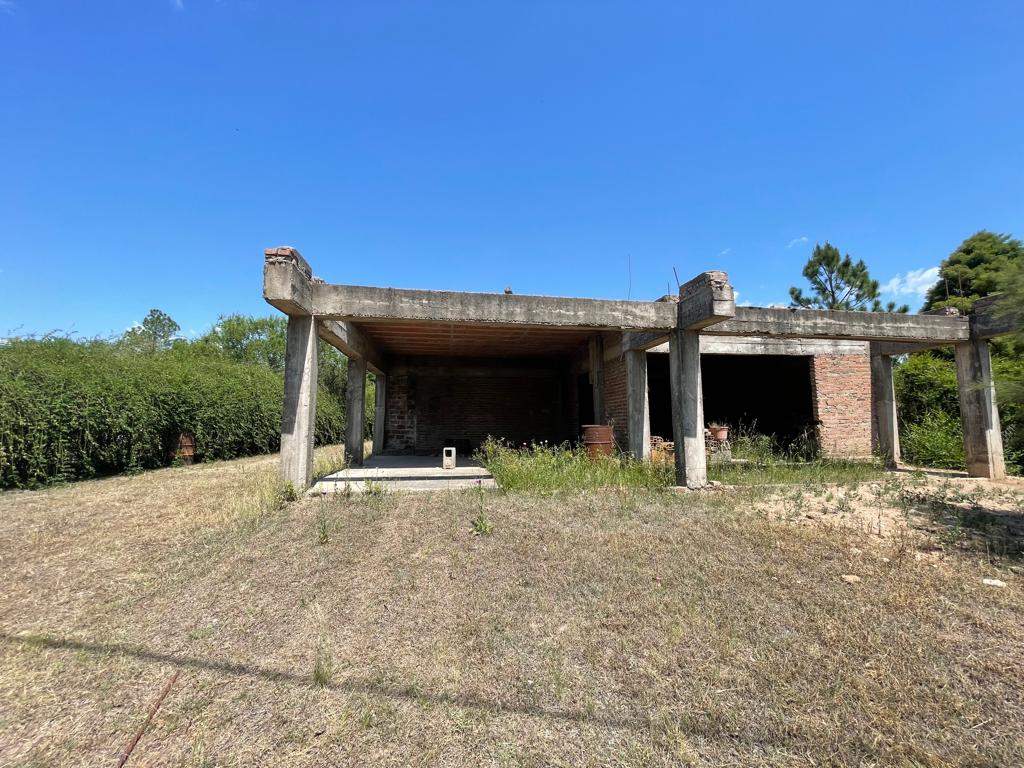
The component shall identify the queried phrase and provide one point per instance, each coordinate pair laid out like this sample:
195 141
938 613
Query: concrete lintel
762 345
353 302
705 300
648 340
842 324
894 348
352 342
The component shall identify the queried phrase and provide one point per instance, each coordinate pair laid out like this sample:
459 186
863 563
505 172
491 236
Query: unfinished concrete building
453 368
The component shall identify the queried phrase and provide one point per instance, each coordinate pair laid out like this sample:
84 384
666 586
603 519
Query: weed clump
544 468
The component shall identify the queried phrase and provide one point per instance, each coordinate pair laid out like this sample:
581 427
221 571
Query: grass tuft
323 664
543 468
327 460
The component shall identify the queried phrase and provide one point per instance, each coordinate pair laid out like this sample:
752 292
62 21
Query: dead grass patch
590 629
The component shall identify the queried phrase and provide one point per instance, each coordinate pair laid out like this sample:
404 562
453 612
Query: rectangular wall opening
771 393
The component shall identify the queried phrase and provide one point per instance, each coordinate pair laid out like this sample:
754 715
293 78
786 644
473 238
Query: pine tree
975 269
838 282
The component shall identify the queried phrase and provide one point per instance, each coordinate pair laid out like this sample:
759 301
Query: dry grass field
615 628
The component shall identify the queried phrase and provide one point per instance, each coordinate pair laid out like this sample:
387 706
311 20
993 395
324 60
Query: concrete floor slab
405 473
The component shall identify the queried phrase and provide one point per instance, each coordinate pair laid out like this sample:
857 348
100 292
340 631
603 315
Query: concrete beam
979 414
883 402
352 342
637 407
286 281
351 302
355 399
762 345
687 409
705 300
288 285
298 419
894 348
647 340
841 324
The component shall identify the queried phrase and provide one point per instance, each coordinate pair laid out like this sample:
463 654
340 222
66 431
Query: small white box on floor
448 460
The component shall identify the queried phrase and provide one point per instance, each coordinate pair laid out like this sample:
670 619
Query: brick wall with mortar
841 387
431 404
841 401
615 412
428 404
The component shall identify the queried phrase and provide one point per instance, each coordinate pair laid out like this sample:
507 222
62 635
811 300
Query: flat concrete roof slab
405 473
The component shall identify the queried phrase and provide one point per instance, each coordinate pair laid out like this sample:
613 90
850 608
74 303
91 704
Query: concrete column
637 404
597 377
355 396
983 442
298 420
379 412
687 409
883 400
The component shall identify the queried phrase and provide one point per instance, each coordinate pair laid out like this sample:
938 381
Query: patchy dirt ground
628 629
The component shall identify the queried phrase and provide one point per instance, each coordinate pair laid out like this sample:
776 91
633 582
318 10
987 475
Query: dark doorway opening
771 393
585 399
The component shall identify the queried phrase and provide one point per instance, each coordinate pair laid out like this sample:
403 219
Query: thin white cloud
916 282
797 241
8 6
178 5
726 252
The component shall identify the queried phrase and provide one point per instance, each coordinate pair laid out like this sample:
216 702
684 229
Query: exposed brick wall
399 414
842 404
432 403
615 412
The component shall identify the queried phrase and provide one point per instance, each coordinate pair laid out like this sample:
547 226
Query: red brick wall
841 386
431 404
399 414
615 412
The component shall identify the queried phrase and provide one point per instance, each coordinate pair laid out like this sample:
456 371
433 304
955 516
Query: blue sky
151 149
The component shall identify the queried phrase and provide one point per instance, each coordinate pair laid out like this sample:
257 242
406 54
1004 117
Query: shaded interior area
771 393
433 403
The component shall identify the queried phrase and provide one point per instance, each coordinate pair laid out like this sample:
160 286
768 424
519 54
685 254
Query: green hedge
929 409
72 410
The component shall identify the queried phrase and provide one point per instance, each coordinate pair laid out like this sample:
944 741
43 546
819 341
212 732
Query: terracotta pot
719 433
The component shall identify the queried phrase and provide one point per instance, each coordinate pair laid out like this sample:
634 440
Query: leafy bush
929 409
935 440
546 468
747 443
72 410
